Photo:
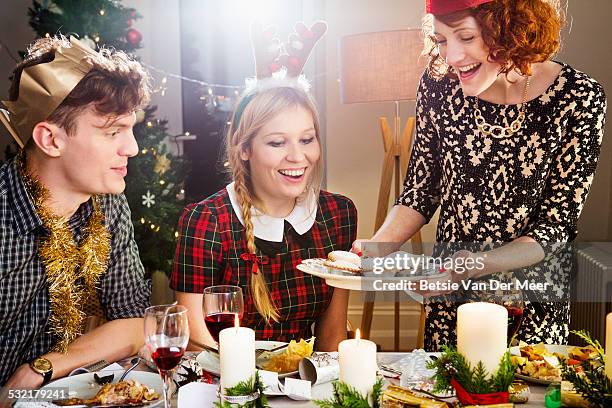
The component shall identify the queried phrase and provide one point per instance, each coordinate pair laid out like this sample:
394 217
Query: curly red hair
518 33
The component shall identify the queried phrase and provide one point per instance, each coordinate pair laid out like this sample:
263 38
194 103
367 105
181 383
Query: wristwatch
43 367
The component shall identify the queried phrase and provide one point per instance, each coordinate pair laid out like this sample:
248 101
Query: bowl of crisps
282 359
287 360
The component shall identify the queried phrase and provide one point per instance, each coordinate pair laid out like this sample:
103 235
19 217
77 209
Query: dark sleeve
572 172
346 224
125 292
198 259
422 183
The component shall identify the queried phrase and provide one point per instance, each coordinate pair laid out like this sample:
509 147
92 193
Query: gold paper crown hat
43 87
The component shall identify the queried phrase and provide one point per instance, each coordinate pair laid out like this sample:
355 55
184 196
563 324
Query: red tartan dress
212 250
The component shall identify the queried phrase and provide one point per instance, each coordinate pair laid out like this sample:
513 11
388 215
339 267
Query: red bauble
268 34
307 34
130 22
294 61
133 13
275 66
133 36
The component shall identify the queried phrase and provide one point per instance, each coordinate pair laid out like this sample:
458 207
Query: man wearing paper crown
67 242
506 146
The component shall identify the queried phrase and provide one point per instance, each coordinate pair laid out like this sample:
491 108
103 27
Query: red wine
167 358
217 322
515 317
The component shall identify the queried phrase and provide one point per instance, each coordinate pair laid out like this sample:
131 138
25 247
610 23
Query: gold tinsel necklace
72 270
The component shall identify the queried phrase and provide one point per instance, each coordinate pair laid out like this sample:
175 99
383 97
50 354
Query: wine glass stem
166 376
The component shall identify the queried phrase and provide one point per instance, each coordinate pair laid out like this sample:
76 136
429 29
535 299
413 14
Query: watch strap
47 377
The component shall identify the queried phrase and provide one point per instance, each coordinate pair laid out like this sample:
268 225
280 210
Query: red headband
441 7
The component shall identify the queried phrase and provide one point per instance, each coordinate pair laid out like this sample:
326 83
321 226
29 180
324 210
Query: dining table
324 391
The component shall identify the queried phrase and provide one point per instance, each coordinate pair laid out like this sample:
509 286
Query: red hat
450 6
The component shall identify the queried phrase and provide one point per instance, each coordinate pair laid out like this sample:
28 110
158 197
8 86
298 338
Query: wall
15 34
354 143
160 49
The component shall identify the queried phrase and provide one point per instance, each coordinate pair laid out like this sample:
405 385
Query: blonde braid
259 287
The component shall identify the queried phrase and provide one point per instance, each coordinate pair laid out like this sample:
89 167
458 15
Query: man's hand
23 378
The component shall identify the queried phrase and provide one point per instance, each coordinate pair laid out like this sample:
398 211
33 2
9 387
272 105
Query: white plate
84 386
360 281
551 348
210 361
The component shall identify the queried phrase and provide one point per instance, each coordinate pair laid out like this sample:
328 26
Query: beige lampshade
381 66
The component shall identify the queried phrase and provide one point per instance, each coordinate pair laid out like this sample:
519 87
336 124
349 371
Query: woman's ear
245 154
49 138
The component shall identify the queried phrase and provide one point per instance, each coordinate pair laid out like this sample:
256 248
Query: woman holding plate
254 232
506 147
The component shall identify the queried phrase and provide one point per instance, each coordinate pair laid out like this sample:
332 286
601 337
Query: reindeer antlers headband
43 87
271 55
279 64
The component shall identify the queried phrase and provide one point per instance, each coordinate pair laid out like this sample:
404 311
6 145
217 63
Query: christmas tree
155 178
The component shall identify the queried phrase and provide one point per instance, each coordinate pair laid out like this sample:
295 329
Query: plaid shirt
209 253
24 298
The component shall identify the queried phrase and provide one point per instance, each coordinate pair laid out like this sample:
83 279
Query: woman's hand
330 327
399 226
198 333
372 248
463 262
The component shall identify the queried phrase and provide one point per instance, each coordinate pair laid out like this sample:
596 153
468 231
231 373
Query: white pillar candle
237 355
482 333
357 359
608 349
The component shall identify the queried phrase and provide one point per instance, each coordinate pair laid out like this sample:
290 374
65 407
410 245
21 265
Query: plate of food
140 388
285 361
341 269
347 270
541 363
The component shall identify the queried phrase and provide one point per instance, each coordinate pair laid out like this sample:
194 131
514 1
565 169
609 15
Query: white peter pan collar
269 228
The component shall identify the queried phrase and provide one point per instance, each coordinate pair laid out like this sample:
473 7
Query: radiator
591 291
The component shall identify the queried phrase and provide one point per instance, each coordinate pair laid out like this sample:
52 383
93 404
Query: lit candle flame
236 321
357 334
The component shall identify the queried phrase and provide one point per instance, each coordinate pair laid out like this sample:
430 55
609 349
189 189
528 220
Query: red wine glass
220 306
515 308
166 335
512 300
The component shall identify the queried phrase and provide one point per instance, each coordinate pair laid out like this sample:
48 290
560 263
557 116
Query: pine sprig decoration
586 336
452 364
504 376
254 384
591 383
345 396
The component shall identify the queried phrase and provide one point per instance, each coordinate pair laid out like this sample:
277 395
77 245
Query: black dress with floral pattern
491 191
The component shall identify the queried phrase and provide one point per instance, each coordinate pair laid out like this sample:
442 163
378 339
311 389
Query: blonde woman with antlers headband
254 232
